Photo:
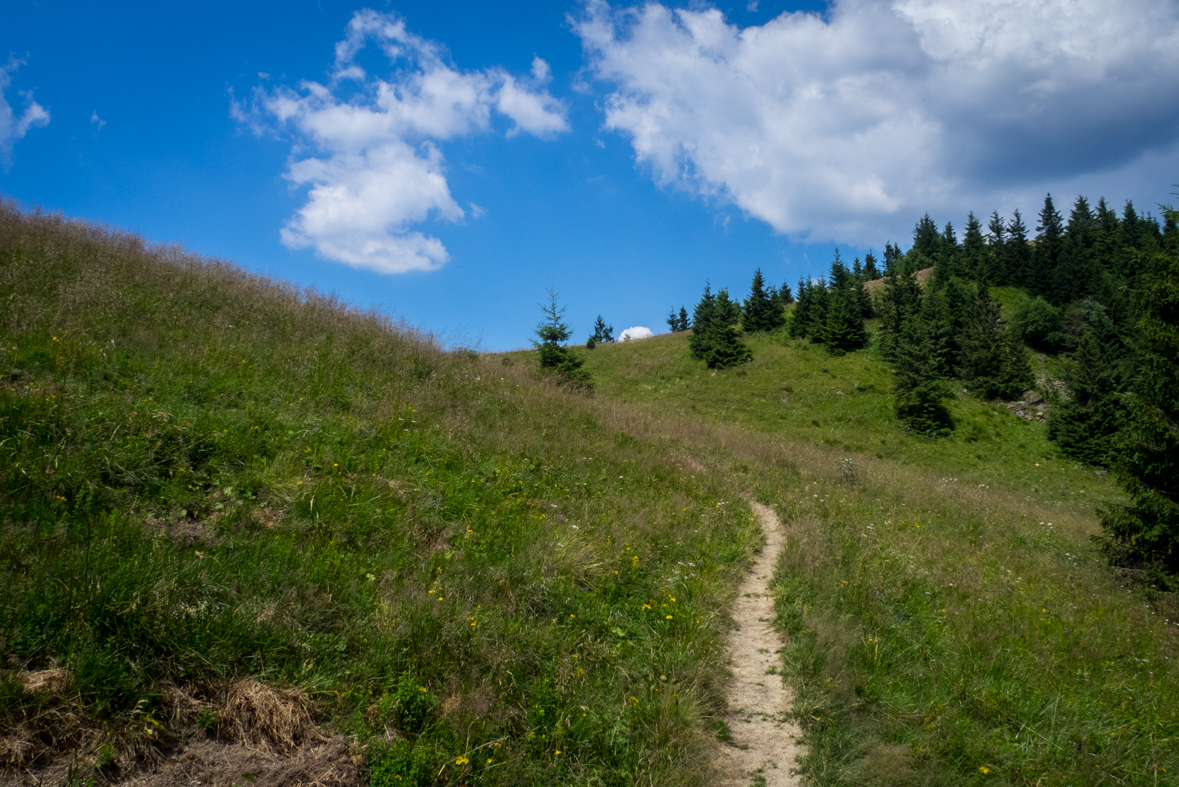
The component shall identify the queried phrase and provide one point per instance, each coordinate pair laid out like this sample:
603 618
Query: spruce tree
1145 533
703 317
603 333
975 255
995 271
919 394
1019 254
673 321
871 273
926 241
725 347
760 312
800 317
555 357
843 330
1046 255
685 323
902 297
728 311
994 360
947 260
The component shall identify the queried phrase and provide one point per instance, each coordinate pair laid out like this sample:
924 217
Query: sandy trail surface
764 742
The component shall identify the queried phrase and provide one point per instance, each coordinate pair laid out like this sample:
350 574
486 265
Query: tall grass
947 618
209 477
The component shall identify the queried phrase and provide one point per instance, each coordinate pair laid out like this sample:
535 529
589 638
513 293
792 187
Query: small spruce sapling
554 356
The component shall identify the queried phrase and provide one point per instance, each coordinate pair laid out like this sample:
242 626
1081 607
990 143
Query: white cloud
13 127
94 118
837 128
636 332
368 148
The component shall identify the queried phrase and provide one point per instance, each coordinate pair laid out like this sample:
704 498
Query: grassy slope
949 620
207 477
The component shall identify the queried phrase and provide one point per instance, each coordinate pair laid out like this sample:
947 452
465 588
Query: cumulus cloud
636 332
832 128
13 127
368 147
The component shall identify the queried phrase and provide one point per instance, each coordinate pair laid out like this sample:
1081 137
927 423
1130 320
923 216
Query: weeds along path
765 744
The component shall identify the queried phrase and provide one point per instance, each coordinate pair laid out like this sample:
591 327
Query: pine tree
926 241
728 311
1019 255
994 361
760 312
995 272
947 260
1146 532
555 358
725 347
843 330
919 394
703 317
871 273
935 317
1049 240
975 255
685 323
800 318
603 333
902 297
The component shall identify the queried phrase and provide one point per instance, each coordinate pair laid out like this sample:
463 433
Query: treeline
718 321
1099 292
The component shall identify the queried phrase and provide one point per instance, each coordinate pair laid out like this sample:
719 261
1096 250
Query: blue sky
449 162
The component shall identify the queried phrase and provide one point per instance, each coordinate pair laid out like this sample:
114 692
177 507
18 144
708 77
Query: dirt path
764 743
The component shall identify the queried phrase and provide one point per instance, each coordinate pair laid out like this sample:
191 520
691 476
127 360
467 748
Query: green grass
948 620
208 478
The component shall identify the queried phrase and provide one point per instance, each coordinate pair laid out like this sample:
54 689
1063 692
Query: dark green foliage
1146 532
703 318
994 364
714 340
725 348
843 330
809 317
901 299
918 390
728 311
871 273
1018 254
1086 424
1039 324
678 321
1046 254
976 256
603 333
762 311
927 240
554 356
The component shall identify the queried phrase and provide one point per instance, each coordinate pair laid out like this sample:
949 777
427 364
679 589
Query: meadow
215 487
947 617
222 497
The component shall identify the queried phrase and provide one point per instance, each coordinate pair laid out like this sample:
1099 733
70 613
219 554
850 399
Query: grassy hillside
223 500
226 504
948 620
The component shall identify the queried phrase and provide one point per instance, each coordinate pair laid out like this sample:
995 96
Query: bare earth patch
765 744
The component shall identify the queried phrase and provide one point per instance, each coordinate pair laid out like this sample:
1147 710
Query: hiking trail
765 743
